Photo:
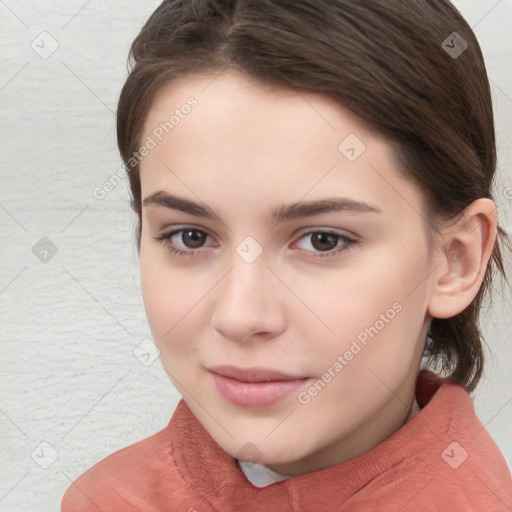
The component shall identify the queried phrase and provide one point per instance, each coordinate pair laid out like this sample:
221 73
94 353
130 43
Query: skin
244 150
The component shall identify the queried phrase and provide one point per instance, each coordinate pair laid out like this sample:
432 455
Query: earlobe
465 251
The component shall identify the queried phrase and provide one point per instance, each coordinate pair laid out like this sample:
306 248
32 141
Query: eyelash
347 242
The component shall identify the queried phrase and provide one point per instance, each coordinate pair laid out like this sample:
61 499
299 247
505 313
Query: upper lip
252 374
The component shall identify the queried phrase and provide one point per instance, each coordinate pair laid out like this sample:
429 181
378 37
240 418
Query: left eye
326 241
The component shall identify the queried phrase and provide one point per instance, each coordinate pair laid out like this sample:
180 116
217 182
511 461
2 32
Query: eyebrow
279 214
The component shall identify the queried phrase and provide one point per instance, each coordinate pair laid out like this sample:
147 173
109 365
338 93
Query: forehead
234 98
221 134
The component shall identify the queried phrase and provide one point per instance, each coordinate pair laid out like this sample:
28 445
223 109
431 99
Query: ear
461 261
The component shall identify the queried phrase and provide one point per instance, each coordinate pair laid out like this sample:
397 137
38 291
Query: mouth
254 387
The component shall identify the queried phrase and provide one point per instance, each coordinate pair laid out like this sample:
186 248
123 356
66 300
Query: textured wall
72 319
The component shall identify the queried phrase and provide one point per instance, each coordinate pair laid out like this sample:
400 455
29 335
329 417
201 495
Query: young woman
313 186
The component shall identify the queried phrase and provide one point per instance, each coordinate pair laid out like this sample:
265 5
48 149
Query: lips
255 387
253 374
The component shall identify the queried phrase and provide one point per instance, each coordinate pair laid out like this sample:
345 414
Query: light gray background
70 326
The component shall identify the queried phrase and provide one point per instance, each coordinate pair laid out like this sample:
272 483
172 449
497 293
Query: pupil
324 238
196 236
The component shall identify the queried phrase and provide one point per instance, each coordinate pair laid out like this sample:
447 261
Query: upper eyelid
302 231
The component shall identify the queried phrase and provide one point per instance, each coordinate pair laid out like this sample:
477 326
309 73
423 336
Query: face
285 270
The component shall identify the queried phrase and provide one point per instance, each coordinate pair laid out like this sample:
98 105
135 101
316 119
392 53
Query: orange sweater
443 459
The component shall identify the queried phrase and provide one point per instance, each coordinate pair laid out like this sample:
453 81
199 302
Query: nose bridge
248 281
249 271
247 301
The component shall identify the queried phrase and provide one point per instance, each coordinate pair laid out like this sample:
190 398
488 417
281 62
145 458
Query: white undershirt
259 475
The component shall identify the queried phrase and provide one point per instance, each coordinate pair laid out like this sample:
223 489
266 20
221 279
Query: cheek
165 295
155 291
174 304
375 312
355 297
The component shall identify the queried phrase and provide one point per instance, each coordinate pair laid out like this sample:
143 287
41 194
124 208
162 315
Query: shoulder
462 466
123 480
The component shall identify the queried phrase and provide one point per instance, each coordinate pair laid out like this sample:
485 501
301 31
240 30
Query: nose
249 303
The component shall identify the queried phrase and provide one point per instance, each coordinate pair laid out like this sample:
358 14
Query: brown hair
385 60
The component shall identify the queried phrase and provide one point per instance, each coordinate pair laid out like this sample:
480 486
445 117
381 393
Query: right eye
183 241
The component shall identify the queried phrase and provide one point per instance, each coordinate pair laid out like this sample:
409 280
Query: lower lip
256 394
